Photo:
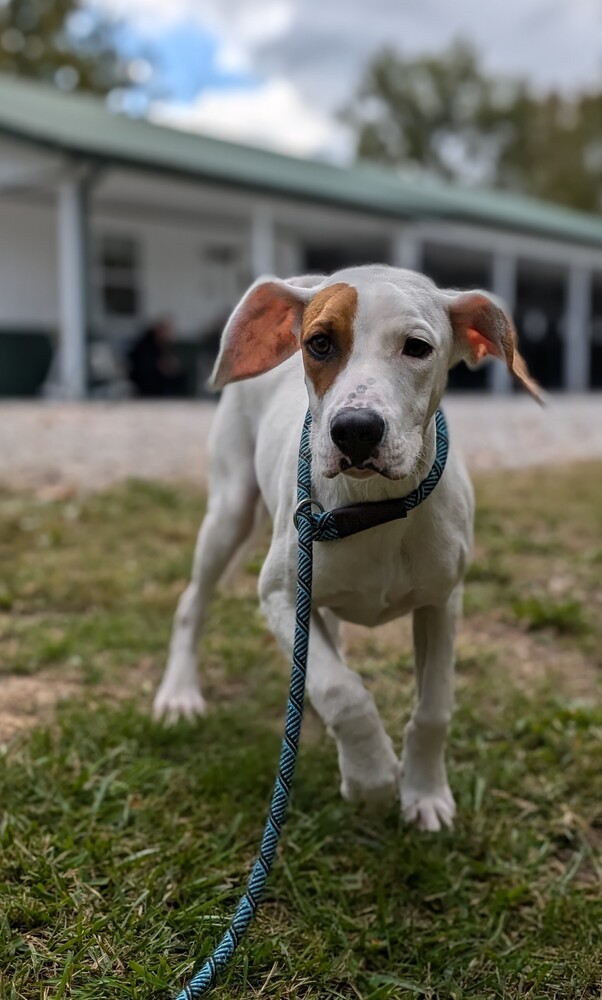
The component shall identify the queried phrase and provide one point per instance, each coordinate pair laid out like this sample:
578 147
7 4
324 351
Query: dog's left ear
263 331
481 326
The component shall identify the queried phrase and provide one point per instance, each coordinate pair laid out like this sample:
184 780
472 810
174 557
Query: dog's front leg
425 793
367 762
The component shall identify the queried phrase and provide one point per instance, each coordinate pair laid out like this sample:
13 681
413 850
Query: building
106 221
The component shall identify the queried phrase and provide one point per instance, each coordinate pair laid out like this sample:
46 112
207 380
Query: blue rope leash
321 526
247 907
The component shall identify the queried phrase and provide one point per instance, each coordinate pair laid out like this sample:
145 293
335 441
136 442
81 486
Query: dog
368 349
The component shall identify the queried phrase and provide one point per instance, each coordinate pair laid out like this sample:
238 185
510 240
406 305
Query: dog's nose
357 432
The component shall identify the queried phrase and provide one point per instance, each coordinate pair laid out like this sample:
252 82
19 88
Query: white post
503 284
263 242
406 249
72 259
576 330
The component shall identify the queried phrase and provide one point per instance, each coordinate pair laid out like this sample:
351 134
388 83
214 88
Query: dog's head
377 344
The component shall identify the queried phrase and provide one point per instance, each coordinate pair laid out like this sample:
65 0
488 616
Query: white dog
370 348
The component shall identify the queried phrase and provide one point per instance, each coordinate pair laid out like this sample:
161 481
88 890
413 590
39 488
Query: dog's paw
373 794
372 788
428 811
170 706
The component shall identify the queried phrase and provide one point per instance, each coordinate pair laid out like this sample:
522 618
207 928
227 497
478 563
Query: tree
552 148
443 114
62 43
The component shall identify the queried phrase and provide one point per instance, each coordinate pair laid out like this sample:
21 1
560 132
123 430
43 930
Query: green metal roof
83 125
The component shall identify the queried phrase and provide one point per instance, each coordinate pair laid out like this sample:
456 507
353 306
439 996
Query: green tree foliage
60 42
443 114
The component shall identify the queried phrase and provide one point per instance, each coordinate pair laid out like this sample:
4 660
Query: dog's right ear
263 331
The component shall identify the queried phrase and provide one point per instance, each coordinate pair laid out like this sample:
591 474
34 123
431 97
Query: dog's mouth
361 473
364 471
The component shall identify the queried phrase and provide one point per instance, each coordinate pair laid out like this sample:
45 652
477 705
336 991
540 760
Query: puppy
368 350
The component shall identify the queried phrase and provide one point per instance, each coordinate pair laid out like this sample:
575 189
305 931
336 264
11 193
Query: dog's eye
319 345
416 348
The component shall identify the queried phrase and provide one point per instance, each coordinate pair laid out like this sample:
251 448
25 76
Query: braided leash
247 907
321 526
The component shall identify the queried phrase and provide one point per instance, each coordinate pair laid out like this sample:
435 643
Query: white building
106 222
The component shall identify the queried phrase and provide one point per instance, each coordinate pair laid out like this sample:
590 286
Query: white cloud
311 53
232 58
272 115
322 44
248 21
149 16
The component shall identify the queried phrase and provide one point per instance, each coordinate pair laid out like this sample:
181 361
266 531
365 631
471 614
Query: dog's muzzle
356 433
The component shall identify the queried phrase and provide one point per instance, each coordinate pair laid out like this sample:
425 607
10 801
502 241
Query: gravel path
59 448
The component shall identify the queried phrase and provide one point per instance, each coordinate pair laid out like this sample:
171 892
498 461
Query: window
118 276
221 280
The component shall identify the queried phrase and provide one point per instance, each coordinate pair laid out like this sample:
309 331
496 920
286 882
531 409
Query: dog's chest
369 579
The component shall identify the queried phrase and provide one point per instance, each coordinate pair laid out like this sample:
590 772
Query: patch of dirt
528 660
531 659
28 700
79 447
484 645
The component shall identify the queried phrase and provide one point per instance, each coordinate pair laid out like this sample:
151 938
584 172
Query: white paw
371 793
171 705
428 811
375 786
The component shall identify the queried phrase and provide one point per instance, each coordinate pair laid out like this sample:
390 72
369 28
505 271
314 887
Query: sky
274 73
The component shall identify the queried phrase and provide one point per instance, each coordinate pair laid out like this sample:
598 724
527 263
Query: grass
566 617
123 846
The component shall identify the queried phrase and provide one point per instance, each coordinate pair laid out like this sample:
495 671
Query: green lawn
124 846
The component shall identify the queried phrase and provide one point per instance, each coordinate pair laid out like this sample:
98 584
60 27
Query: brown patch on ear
331 311
261 334
482 327
518 367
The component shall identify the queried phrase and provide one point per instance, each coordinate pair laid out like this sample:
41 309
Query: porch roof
82 126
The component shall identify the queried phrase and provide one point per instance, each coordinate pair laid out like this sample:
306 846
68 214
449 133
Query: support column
263 242
72 260
503 284
577 351
406 249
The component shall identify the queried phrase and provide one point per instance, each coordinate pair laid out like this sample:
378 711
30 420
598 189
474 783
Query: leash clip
302 505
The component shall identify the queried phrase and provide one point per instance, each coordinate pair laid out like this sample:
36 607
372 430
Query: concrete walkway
58 447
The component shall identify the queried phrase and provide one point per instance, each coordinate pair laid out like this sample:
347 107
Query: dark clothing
154 368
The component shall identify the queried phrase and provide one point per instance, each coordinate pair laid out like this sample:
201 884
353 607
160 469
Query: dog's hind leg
249 545
229 520
425 793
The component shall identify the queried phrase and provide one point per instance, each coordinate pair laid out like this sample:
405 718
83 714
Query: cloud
243 22
328 44
322 46
272 114
309 55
